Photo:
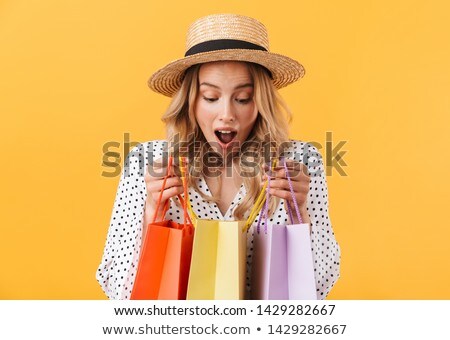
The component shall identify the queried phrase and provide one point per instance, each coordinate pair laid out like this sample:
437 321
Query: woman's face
224 107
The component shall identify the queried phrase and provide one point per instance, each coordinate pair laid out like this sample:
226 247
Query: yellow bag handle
258 203
191 212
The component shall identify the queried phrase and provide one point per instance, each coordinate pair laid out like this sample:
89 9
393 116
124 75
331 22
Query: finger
278 173
280 193
158 167
153 178
294 175
159 170
280 184
297 187
152 175
156 185
173 182
155 173
300 198
161 162
293 166
168 193
294 169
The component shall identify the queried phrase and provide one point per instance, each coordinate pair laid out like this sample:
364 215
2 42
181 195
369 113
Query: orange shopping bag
163 268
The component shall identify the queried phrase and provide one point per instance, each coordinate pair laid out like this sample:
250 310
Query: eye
244 101
209 100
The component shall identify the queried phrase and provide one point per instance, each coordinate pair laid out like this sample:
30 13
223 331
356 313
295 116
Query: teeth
225 131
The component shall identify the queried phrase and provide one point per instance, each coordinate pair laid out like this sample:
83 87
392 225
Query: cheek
203 117
249 118
199 114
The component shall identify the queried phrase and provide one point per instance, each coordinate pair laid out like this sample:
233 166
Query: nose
227 113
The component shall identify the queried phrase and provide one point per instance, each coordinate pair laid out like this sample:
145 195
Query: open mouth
225 136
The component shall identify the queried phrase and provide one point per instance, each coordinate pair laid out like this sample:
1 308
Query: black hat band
222 44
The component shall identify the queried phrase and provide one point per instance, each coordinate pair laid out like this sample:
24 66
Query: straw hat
226 37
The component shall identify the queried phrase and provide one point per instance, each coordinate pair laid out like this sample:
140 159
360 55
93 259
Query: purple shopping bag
282 266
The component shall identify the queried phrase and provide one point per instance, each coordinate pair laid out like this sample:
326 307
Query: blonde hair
270 128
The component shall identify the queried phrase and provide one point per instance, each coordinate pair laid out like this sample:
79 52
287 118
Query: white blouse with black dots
118 266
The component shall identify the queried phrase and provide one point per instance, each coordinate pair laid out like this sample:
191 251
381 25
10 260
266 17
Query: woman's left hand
279 186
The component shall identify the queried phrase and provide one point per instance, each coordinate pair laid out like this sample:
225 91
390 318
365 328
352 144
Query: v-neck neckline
232 205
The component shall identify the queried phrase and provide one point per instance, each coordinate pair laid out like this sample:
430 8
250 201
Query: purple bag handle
293 198
265 212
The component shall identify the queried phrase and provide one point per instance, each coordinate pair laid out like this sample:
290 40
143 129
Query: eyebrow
237 87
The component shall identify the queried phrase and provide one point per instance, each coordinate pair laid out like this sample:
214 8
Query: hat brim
285 70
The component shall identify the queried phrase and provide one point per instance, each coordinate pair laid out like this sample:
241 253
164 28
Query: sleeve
326 250
121 252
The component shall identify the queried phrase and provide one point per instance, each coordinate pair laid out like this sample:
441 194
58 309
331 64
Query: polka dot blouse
118 266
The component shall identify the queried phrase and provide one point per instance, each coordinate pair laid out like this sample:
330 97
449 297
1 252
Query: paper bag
218 261
282 264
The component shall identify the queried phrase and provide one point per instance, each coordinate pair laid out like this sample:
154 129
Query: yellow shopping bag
218 262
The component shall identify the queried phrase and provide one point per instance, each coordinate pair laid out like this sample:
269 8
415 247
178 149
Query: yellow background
73 77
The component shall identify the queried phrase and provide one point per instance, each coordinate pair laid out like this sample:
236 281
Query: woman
227 114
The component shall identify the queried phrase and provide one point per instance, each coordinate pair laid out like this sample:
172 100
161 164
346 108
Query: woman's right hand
154 178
